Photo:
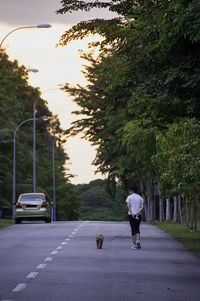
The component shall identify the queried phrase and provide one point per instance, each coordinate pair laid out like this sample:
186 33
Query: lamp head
44 26
44 117
32 70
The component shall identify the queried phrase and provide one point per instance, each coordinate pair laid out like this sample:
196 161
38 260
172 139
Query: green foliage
121 7
141 89
68 203
178 157
5 223
70 6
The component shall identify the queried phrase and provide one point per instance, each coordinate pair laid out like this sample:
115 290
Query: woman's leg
133 228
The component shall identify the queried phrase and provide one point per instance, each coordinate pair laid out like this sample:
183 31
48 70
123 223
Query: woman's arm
129 206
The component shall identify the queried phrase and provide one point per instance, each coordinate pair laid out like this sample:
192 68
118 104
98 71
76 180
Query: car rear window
32 198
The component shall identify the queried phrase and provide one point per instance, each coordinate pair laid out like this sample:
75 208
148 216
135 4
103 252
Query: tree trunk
195 213
187 212
143 192
148 208
167 209
161 207
175 210
192 216
161 211
155 190
179 210
150 199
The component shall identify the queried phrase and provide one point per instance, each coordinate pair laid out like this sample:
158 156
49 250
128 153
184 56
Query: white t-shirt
135 201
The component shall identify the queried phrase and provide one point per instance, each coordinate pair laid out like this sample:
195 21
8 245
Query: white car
33 206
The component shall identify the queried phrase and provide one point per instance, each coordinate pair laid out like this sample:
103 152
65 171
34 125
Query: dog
99 241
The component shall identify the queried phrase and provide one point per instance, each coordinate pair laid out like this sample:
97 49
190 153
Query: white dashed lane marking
41 266
32 275
48 259
54 252
20 287
59 248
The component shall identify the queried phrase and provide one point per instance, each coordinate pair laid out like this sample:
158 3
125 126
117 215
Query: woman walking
135 204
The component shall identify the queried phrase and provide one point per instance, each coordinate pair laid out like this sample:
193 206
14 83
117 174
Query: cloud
23 12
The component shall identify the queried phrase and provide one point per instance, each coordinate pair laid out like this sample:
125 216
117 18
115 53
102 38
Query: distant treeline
98 204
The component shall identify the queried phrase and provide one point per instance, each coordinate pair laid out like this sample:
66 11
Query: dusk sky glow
35 48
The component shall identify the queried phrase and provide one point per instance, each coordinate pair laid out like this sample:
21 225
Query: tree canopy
144 84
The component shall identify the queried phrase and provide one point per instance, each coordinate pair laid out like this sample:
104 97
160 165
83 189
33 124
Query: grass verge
191 240
5 222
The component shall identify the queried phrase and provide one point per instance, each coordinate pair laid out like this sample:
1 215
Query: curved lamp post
24 27
53 160
54 181
34 172
53 89
14 161
34 167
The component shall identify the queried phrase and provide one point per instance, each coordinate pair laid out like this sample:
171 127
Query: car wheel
47 220
17 221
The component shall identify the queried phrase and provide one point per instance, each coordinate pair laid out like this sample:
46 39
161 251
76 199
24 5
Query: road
60 261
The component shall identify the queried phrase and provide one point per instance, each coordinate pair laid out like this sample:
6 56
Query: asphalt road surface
60 261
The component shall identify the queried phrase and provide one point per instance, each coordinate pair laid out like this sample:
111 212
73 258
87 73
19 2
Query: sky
35 48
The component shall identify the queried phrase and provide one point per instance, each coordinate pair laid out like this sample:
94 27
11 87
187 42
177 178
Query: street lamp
54 182
34 165
24 27
54 190
61 87
14 161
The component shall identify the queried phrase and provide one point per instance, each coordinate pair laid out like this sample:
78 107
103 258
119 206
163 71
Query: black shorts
134 223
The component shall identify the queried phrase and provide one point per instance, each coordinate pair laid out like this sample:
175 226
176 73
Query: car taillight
44 204
18 205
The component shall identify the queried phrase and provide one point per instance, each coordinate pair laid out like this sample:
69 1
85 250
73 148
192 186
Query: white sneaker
133 247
